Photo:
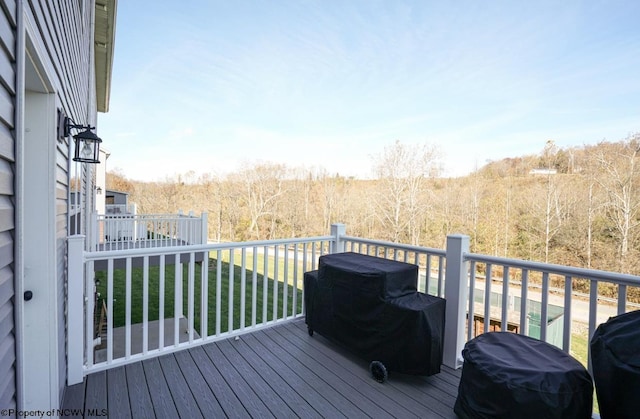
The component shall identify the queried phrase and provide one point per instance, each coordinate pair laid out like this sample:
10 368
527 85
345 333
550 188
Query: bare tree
553 209
402 171
115 181
262 186
618 166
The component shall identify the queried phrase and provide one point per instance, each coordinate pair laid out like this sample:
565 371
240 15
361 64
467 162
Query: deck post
337 231
189 233
177 234
93 240
75 307
204 234
455 293
179 309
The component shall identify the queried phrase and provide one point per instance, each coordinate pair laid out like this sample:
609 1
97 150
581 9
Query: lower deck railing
161 300
130 231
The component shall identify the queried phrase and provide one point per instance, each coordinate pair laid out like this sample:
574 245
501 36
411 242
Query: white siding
65 30
7 144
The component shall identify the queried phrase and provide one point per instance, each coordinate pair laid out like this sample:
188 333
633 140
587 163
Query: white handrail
251 277
192 295
575 307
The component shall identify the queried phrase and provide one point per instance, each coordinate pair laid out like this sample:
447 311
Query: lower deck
276 372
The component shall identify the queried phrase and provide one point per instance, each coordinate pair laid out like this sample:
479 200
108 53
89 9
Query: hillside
586 214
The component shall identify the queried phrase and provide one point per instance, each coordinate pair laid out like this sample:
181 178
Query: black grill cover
371 306
506 375
615 358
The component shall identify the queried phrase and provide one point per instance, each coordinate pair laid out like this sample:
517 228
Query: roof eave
104 40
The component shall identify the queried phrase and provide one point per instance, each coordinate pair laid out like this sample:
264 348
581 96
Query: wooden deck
278 372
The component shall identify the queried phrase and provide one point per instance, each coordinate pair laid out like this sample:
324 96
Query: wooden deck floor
279 372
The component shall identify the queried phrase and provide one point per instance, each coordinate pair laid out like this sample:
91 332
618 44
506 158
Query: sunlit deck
277 372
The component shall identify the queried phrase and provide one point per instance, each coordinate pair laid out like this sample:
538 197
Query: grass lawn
579 345
119 294
271 268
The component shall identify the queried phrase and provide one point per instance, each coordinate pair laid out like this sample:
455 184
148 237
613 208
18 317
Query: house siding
64 28
7 223
63 32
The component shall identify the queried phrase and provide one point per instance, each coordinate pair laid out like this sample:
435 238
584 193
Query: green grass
119 294
579 344
579 350
271 267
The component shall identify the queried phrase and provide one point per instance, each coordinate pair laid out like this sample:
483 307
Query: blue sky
211 86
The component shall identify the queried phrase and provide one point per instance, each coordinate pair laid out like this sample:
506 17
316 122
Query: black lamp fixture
87 143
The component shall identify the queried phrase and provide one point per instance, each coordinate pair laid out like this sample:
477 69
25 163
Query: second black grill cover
371 306
615 358
506 375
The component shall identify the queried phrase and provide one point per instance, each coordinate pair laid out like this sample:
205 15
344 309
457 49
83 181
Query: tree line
580 208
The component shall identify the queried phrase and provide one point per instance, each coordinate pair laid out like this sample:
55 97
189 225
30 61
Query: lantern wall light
87 143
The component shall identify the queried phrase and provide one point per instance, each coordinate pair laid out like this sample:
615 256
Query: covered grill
371 306
615 357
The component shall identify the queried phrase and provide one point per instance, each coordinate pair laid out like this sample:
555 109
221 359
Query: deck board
204 397
276 405
74 397
293 377
163 403
96 392
420 403
226 397
180 390
271 374
362 382
244 390
142 407
352 403
275 372
117 395
335 400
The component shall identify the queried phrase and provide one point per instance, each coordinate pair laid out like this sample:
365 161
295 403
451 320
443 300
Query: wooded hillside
582 209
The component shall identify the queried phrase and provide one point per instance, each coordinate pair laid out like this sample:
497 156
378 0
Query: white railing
120 209
428 260
160 300
74 209
531 283
132 231
521 296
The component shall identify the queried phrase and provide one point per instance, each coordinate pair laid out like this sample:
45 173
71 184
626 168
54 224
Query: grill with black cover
371 306
506 375
615 358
